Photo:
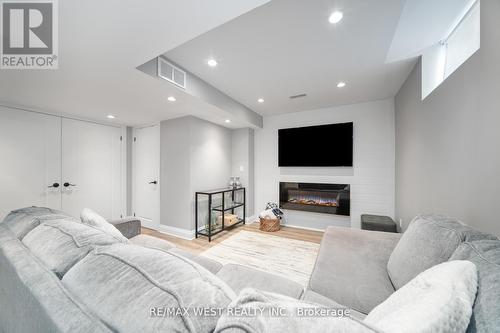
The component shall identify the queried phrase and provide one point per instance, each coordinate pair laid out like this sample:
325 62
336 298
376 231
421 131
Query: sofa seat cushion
161 244
313 297
439 299
21 221
485 255
211 265
131 287
240 277
428 241
351 267
151 242
60 243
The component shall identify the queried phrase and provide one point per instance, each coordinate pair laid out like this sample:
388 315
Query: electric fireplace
316 197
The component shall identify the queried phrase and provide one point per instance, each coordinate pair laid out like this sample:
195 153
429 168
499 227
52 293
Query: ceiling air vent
171 73
298 96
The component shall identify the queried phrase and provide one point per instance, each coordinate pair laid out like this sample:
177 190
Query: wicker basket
269 225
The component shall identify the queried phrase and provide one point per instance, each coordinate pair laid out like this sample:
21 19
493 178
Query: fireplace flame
313 200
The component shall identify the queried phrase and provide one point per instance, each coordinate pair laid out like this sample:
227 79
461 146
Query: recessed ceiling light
260 100
341 84
110 116
335 17
171 99
227 121
212 62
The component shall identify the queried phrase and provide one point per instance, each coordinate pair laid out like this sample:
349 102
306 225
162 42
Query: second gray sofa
360 269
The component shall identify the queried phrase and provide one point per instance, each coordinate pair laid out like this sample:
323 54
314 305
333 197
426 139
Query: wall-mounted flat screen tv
316 146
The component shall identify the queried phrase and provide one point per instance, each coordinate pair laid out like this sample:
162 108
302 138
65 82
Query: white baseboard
255 218
176 232
151 226
252 219
301 227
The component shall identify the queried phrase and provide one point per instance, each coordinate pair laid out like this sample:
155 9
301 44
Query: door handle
55 185
68 184
153 182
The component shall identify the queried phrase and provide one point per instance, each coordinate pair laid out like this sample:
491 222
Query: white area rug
290 258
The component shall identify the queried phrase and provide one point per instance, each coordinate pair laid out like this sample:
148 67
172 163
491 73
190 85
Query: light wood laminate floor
201 244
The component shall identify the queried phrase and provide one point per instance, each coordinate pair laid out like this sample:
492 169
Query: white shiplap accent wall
371 178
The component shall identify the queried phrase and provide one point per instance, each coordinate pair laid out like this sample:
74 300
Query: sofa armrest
351 267
128 226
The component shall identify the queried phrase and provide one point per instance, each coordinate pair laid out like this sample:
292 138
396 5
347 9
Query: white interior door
146 175
30 160
91 168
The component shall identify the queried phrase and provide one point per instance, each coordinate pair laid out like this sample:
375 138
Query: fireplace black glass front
316 197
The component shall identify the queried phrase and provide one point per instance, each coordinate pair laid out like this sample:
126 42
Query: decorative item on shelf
232 182
237 182
213 217
229 220
213 225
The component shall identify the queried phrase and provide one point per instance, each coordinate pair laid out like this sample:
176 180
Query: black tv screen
316 146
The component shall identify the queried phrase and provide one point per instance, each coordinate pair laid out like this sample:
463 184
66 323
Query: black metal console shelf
237 200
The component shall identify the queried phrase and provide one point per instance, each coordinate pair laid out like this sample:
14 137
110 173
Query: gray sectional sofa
57 275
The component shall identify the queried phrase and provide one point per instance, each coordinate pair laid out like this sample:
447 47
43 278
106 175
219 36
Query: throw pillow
437 300
89 217
428 241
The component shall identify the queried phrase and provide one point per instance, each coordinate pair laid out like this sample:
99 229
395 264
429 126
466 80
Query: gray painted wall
195 156
210 160
242 163
447 146
175 173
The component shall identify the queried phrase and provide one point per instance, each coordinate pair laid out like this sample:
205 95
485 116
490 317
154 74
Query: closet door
30 160
146 175
91 168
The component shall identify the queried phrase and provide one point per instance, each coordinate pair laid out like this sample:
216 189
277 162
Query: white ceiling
282 48
102 42
288 47
424 23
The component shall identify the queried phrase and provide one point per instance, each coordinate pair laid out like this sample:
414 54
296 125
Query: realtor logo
29 33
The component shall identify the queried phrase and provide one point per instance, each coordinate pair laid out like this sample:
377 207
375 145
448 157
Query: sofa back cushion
428 241
21 221
60 243
485 255
130 288
33 299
